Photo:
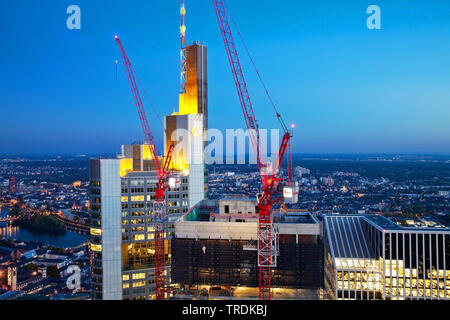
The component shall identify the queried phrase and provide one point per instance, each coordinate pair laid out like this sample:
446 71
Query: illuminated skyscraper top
195 99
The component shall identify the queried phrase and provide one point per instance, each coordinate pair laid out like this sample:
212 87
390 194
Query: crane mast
160 218
269 177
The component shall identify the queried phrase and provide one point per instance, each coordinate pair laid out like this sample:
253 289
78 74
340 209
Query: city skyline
349 89
318 169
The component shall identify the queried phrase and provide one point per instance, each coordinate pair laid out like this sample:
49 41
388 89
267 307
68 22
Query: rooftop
385 224
209 211
346 237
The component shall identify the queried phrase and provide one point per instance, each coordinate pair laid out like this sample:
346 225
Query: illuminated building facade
185 133
122 230
371 257
195 99
187 128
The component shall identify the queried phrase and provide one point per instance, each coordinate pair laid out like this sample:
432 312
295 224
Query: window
96 232
138 276
137 198
138 284
96 247
139 237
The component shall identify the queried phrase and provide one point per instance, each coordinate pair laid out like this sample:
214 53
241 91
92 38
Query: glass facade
95 222
369 257
111 223
105 220
137 230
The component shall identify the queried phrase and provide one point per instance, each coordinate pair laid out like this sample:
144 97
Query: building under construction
214 252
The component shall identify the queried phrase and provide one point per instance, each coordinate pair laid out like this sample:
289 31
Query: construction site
215 252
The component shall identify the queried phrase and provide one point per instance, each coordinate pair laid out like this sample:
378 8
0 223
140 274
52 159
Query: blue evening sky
348 89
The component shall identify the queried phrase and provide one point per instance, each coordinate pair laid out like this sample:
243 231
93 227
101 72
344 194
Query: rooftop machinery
162 184
272 183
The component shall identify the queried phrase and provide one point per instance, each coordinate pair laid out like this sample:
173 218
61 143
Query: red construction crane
269 176
162 184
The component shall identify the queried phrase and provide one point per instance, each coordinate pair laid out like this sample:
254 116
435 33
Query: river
70 239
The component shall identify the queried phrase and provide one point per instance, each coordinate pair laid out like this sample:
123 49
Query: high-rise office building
191 121
185 133
122 226
123 190
369 257
105 220
195 99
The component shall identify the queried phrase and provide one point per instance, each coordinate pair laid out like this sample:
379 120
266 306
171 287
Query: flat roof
385 224
346 237
206 209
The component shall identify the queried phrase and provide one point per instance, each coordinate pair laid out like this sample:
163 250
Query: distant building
327 181
299 171
445 194
370 257
12 185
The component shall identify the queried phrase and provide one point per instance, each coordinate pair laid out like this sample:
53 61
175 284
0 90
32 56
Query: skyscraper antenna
182 48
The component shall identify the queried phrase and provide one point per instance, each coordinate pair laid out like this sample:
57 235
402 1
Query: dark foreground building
214 252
